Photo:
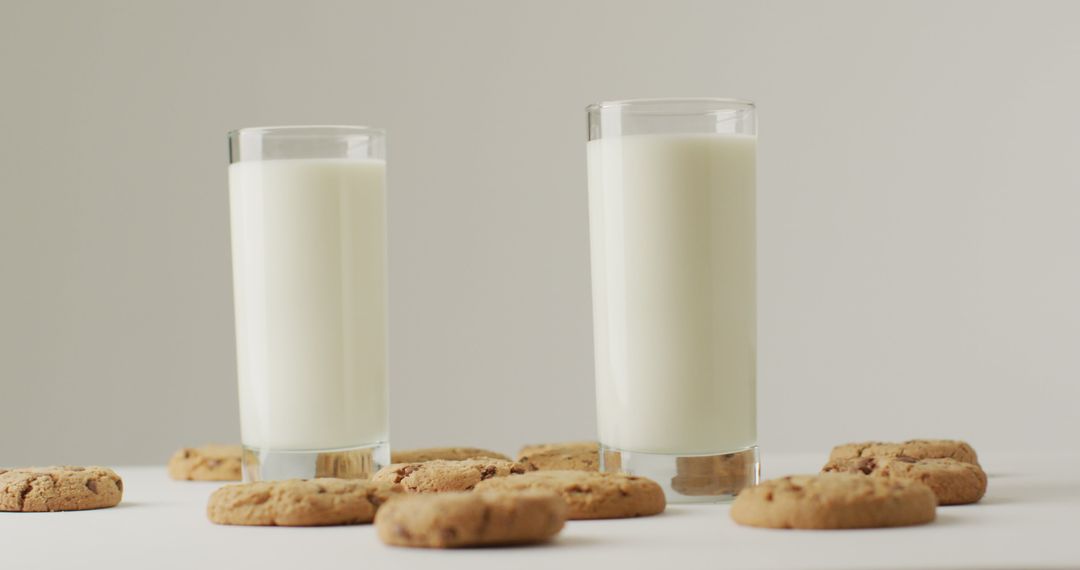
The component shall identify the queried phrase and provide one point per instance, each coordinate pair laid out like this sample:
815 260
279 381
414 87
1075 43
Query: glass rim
325 130
729 102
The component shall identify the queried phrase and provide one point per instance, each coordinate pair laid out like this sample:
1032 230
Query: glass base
353 463
689 478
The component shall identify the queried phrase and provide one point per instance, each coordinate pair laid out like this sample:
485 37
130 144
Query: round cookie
954 482
712 475
450 520
61 488
568 445
590 495
915 448
213 462
573 456
442 475
834 501
298 502
444 453
344 465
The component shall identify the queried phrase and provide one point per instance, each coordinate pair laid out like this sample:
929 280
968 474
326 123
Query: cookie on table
60 488
450 520
213 462
444 453
572 456
344 465
834 501
534 448
711 475
954 482
299 502
589 495
915 448
440 475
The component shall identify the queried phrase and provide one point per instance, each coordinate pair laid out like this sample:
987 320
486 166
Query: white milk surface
672 227
309 273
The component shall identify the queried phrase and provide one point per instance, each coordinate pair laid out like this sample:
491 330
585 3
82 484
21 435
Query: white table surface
1030 518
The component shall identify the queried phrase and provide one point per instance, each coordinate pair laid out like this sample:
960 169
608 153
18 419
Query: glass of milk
308 211
672 231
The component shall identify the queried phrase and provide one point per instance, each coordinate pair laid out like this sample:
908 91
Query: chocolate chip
92 485
867 465
23 493
487 472
403 473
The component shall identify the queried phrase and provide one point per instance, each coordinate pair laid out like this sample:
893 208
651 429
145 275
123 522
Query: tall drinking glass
672 229
308 209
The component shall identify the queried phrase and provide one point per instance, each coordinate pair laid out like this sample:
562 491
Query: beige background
918 209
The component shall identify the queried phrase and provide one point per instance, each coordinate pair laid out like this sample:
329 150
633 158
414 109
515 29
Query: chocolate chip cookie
299 502
572 456
444 453
915 448
443 475
834 501
213 462
712 475
589 495
954 482
61 488
450 520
